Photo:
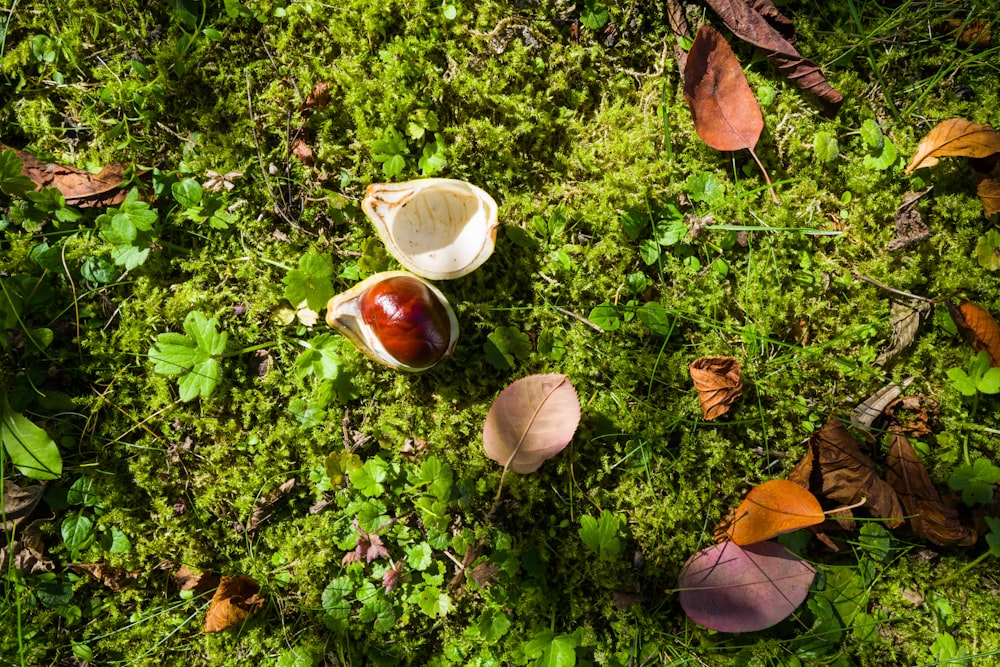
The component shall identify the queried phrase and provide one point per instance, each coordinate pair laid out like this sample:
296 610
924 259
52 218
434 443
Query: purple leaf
730 588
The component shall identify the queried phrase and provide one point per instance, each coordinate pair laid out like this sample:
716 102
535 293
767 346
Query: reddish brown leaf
718 382
78 187
753 28
846 475
955 137
302 151
235 600
191 580
725 110
772 508
978 327
929 517
970 33
318 98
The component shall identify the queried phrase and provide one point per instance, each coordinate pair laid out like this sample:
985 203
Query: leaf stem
252 348
770 186
958 573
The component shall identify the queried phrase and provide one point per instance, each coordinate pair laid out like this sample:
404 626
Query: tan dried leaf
718 382
988 190
979 328
955 137
905 319
235 600
19 502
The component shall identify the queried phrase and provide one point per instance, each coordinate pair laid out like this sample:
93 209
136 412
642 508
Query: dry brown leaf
955 137
302 151
27 552
531 421
18 503
112 578
914 415
910 226
978 327
928 515
262 508
846 475
78 187
718 382
235 600
754 23
318 98
976 33
905 319
988 190
192 580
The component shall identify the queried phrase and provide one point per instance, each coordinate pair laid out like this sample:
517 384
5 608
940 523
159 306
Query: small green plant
603 535
130 229
549 649
506 346
988 250
882 152
704 187
310 283
390 151
975 480
979 378
594 15
825 146
193 357
200 206
29 446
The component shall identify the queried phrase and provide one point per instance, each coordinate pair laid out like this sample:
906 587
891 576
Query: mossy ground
553 119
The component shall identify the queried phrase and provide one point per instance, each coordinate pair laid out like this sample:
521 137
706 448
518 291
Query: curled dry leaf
755 23
18 503
78 187
929 517
772 508
730 588
835 468
979 328
905 320
914 415
531 421
192 580
865 414
235 600
955 137
910 225
718 382
988 190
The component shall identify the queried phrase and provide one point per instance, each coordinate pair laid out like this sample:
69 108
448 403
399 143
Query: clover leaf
192 358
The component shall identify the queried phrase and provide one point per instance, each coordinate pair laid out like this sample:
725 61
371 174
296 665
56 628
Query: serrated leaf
191 357
31 450
419 556
602 535
311 282
12 182
531 421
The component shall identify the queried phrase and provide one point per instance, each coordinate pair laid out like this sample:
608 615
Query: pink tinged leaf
375 548
730 588
531 421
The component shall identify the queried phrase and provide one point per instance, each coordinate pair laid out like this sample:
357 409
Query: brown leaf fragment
27 552
262 508
847 475
679 26
718 382
484 574
302 151
726 114
754 28
19 502
988 190
235 600
112 578
975 33
914 415
905 319
955 137
910 225
774 17
192 580
979 328
78 187
928 516
318 98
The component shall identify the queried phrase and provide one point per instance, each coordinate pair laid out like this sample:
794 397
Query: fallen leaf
192 580
978 327
724 109
112 578
842 473
913 415
774 17
865 414
970 33
302 152
217 182
318 98
18 503
78 187
730 588
905 320
772 508
988 190
753 27
929 517
718 382
955 137
27 552
262 508
235 600
531 421
910 226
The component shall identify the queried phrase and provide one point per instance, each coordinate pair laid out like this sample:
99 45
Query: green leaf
432 160
433 601
12 183
368 478
552 651
81 493
603 535
437 476
321 358
191 357
606 316
669 232
552 344
871 133
704 187
419 556
655 317
504 345
882 158
993 537
962 382
988 250
77 532
29 447
975 481
649 251
115 541
826 147
311 282
594 15
634 224
990 382
520 237
187 193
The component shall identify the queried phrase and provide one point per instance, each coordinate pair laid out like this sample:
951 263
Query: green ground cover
573 118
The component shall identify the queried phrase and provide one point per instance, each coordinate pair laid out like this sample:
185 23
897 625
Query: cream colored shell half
343 313
438 228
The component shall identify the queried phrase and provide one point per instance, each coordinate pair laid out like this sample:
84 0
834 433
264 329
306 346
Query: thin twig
580 318
893 290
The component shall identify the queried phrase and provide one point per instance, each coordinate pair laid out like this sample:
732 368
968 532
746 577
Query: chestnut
396 319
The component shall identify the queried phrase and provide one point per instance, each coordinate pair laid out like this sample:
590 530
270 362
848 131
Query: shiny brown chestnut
396 319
